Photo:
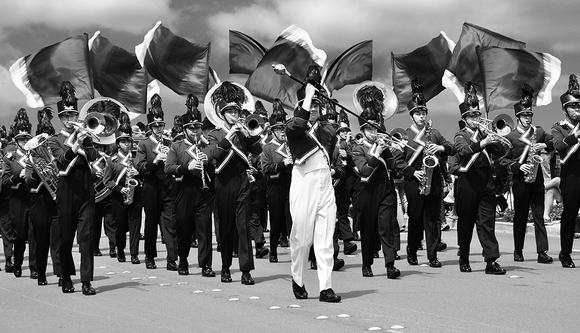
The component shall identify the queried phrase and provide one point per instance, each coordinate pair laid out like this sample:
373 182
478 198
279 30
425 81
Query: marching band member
528 182
121 178
421 167
376 194
43 210
73 150
158 195
14 176
475 196
262 183
5 220
103 204
229 147
188 162
277 165
566 133
312 201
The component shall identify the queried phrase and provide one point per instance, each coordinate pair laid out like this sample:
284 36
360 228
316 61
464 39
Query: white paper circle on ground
515 277
197 291
374 328
233 299
293 306
322 317
424 265
216 290
275 307
164 284
397 327
254 297
343 315
126 272
136 278
102 267
350 256
111 273
182 283
153 277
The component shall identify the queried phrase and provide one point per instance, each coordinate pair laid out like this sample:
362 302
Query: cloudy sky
334 25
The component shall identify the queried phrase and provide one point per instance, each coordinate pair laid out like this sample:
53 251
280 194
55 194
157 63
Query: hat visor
71 110
22 136
471 113
193 124
156 122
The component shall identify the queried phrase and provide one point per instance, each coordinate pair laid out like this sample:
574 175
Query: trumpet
393 141
253 123
482 125
94 125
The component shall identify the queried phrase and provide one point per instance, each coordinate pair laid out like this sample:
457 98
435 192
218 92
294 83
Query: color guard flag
353 66
505 71
427 64
118 74
293 49
180 65
464 64
245 53
40 74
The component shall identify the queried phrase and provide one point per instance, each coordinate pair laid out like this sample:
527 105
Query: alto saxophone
533 159
130 182
429 163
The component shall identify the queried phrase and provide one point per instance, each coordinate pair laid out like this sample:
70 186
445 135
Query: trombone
482 125
94 125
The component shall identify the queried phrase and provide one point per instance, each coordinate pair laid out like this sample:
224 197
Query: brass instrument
533 159
253 123
392 141
101 191
482 125
97 125
43 162
502 124
429 163
130 182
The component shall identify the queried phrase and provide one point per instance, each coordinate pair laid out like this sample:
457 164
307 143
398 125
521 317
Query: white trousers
313 210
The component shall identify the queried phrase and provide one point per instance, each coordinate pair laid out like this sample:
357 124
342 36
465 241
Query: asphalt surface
531 297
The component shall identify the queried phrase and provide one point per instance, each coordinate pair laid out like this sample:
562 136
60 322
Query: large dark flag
353 66
118 74
40 74
505 71
245 53
180 65
464 64
293 49
426 64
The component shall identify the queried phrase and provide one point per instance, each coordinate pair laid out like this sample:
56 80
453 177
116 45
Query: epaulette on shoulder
115 158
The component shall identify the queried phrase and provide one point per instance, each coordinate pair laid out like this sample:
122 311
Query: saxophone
533 159
130 182
429 163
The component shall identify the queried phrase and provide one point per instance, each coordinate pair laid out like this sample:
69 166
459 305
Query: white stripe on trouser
313 210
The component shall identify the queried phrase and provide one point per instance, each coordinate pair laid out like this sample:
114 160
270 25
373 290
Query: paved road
531 298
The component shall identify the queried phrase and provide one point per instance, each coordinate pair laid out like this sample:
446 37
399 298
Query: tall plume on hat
125 124
471 101
343 118
22 123
573 87
527 96
44 122
278 112
260 110
178 125
192 102
155 111
68 99
228 94
418 100
371 99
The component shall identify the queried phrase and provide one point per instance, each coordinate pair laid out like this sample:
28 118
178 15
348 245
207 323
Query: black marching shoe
397 256
273 257
367 271
17 271
566 261
9 266
393 272
261 252
234 254
194 243
96 253
284 242
313 264
412 258
183 268
518 256
42 281
441 246
226 276
376 255
67 286
135 260
544 258
207 272
59 281
33 274
88 290
338 264
112 253
435 263
121 256
299 292
349 247
328 295
247 279
464 266
494 268
172 266
150 263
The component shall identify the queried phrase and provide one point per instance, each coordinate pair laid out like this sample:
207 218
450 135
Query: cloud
133 16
